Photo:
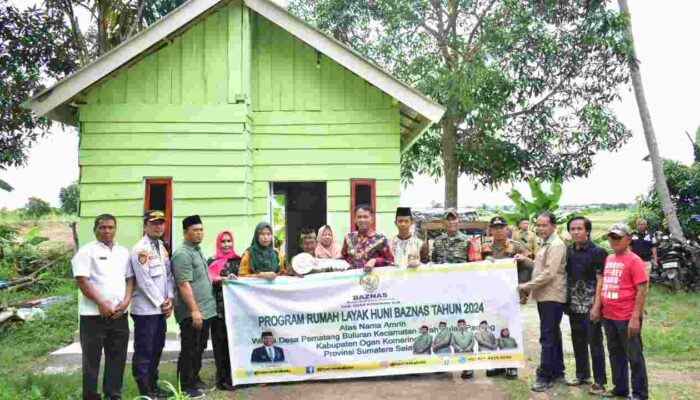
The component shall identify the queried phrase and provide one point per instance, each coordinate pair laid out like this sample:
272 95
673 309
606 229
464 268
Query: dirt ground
57 232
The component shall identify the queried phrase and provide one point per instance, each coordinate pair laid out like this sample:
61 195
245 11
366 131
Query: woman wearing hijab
327 246
224 265
262 260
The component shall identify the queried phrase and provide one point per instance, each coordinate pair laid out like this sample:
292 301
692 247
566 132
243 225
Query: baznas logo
369 282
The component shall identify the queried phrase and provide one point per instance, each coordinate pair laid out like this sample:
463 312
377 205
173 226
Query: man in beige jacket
548 289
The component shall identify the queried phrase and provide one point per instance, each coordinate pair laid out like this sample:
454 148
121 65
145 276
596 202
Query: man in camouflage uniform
452 247
499 247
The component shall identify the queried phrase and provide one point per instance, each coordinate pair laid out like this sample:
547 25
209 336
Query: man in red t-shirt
621 295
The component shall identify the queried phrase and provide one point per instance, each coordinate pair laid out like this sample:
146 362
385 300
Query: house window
159 197
362 191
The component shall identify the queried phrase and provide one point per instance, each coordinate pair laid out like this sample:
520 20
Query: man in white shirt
101 272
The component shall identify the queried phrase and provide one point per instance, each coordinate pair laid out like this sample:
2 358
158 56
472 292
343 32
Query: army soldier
421 344
499 247
152 303
441 343
452 247
463 342
526 237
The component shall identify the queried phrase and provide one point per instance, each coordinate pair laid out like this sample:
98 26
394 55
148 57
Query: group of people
578 280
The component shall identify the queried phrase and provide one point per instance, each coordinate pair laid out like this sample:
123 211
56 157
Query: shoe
511 373
193 393
578 382
225 386
612 393
596 389
541 385
199 384
494 372
467 374
164 393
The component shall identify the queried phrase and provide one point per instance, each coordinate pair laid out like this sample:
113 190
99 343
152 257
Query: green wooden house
222 105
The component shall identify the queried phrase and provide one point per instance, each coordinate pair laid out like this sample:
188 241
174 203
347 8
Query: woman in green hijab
262 260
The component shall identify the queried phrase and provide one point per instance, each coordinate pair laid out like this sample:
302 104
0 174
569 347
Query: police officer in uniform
152 303
452 247
644 245
499 246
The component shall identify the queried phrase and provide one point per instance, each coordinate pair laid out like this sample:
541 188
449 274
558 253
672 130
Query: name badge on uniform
155 266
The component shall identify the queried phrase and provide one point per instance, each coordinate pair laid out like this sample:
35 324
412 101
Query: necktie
271 353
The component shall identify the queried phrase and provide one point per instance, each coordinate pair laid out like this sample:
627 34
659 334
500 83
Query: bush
684 184
69 197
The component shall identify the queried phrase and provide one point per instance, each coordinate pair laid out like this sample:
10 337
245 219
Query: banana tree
541 201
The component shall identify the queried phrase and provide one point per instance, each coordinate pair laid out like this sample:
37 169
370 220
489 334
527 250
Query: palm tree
667 205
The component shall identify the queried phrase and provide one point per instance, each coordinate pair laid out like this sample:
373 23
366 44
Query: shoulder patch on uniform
143 257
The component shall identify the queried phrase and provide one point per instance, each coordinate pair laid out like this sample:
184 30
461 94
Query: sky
666 41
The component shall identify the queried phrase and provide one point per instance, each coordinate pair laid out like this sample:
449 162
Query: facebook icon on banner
310 369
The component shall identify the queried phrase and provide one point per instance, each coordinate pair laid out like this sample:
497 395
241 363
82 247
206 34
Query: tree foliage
34 45
526 84
43 44
684 184
36 208
69 197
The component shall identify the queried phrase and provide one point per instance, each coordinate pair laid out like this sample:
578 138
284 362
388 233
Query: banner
389 322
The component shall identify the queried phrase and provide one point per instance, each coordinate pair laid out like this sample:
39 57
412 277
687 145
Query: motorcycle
679 264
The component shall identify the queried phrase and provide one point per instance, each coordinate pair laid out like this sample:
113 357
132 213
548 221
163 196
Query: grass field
671 349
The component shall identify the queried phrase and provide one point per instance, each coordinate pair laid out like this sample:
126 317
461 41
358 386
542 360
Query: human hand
270 276
595 314
197 320
167 307
633 327
120 309
105 309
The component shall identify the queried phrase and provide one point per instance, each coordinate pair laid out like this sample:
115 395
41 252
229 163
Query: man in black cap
152 303
194 305
408 250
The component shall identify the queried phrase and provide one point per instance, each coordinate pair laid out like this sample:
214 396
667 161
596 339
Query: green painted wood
181 190
280 65
335 117
163 141
208 206
193 83
340 128
216 57
264 66
355 92
327 172
285 49
118 208
289 157
111 191
170 157
337 88
160 127
136 173
312 67
235 21
164 84
247 55
176 71
159 113
271 141
142 81
114 89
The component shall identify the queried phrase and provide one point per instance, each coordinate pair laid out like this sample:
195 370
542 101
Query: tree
38 44
526 84
684 187
541 202
34 45
36 208
69 197
656 163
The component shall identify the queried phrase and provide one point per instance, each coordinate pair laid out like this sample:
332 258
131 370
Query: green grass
603 220
671 348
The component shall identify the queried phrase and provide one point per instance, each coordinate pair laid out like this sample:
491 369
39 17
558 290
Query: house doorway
304 207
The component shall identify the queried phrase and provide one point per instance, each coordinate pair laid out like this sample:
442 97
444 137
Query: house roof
418 112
